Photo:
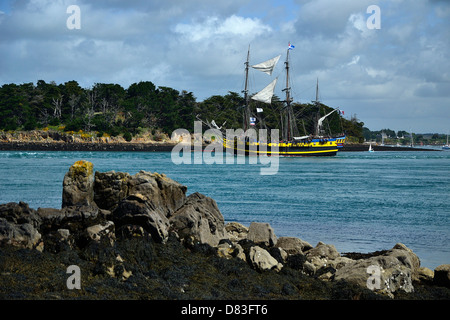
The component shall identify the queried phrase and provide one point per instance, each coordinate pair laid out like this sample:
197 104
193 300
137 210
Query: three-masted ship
290 145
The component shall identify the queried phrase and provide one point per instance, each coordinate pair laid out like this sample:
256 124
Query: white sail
265 95
323 118
267 66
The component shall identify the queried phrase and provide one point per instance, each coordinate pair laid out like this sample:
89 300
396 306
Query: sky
389 68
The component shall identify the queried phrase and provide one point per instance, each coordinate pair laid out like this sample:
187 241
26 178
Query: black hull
290 151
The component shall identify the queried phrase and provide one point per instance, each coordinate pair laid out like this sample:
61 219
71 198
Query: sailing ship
290 145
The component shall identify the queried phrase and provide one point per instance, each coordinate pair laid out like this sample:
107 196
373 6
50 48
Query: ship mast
246 113
318 108
317 91
289 119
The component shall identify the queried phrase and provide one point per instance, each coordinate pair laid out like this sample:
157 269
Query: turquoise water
358 201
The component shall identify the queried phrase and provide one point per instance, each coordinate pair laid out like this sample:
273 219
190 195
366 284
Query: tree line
114 110
402 137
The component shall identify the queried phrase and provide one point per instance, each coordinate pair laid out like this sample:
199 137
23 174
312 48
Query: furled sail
265 95
267 66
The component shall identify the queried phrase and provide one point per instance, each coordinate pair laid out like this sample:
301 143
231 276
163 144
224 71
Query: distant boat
446 146
370 148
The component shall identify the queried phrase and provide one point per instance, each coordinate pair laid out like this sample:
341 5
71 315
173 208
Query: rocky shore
86 146
142 237
54 140
38 140
149 146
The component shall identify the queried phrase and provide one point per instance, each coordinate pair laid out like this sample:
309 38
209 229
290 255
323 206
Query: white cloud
358 21
355 60
213 27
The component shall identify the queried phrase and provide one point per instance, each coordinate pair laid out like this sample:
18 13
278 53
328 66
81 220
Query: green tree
186 105
12 102
108 107
139 105
169 116
72 98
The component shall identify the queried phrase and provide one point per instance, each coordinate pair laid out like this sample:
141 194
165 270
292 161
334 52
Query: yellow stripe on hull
321 148
287 152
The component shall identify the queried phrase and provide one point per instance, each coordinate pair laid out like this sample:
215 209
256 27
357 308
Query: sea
357 201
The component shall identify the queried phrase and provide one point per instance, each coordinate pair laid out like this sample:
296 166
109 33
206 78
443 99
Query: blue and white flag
252 121
291 46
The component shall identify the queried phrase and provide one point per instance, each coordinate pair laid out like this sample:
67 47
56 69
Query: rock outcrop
19 225
200 219
442 275
262 260
135 210
110 188
103 209
262 233
145 199
160 192
391 272
293 245
236 231
78 185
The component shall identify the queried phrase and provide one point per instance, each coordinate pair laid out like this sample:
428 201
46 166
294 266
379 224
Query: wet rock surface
141 237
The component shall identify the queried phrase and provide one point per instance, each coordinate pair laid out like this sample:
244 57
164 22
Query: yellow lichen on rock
160 176
82 167
78 184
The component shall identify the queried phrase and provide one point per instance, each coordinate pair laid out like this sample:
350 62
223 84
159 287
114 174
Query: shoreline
85 146
152 147
365 147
